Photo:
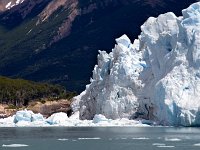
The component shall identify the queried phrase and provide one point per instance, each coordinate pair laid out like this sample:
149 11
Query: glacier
157 77
153 81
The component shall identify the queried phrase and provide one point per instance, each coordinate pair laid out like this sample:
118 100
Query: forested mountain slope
57 41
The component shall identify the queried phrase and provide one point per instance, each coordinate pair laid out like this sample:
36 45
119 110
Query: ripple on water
165 146
140 138
95 138
158 144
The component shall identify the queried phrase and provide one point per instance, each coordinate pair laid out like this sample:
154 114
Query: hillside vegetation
19 92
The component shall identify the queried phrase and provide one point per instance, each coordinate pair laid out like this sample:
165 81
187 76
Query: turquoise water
95 138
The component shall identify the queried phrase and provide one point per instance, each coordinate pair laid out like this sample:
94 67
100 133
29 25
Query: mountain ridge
62 49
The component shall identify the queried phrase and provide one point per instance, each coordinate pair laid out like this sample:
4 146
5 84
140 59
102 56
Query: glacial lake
100 138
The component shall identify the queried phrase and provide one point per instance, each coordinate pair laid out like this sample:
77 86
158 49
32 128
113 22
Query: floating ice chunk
15 145
29 119
23 115
57 118
197 144
37 117
173 139
63 139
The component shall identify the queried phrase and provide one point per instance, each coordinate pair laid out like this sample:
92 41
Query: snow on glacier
12 4
8 5
155 78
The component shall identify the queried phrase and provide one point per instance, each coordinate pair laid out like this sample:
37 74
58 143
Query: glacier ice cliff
155 78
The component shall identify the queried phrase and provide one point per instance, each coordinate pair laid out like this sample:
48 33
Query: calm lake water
95 138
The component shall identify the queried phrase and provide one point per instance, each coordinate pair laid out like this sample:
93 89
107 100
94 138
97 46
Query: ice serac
155 78
114 87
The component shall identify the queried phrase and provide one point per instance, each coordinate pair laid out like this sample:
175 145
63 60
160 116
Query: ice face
174 59
155 78
115 83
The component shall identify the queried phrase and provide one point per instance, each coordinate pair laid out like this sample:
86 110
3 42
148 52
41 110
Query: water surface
100 138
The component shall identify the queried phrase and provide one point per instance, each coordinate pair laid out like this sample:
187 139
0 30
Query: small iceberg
15 145
165 146
63 139
198 144
172 139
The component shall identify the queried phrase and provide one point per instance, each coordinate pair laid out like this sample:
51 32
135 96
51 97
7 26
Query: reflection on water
105 138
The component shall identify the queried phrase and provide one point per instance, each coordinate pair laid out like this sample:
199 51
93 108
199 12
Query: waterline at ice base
26 118
155 80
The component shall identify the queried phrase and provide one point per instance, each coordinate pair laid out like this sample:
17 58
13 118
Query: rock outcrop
46 108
